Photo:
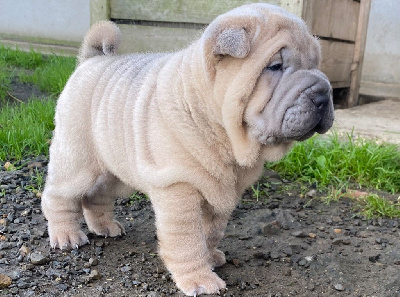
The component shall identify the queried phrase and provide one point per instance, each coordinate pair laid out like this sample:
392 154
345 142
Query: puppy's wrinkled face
300 104
263 63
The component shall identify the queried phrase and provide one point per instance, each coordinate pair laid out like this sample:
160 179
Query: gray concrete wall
58 20
381 69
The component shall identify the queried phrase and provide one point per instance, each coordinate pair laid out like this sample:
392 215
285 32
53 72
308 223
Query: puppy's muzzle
312 110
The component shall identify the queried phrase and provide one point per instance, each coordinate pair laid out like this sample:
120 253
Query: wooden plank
180 11
137 38
359 50
337 58
340 84
99 10
294 6
332 18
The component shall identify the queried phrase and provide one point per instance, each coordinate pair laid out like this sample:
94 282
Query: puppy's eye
275 67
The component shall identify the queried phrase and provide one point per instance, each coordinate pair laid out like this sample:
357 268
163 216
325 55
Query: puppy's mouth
312 113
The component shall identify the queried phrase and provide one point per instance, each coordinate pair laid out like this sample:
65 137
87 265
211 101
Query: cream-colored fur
192 129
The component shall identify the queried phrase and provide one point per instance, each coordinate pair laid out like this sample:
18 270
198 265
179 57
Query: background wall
381 70
56 20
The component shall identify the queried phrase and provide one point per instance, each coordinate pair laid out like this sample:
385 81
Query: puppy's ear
234 42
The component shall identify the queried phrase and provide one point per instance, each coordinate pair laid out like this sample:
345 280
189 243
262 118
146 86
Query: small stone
24 250
287 271
374 259
287 251
235 262
99 243
302 262
26 212
298 233
35 165
312 235
62 287
93 261
37 258
126 269
337 241
8 166
346 241
339 287
309 258
5 281
4 222
311 193
94 275
272 228
363 234
310 287
337 231
261 255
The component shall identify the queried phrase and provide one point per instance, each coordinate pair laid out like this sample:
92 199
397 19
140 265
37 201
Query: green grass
52 75
25 129
48 72
333 162
5 80
336 165
17 58
38 181
376 206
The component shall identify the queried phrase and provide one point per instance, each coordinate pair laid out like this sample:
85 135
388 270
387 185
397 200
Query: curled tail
103 38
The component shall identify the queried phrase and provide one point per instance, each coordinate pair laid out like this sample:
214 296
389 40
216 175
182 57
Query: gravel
281 245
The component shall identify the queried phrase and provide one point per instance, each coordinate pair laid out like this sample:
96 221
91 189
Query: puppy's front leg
182 239
214 224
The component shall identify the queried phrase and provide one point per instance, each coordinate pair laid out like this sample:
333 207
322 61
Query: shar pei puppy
192 129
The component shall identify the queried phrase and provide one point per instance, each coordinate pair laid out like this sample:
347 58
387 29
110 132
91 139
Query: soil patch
285 244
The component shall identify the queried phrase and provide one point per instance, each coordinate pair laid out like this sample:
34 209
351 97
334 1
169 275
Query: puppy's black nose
321 99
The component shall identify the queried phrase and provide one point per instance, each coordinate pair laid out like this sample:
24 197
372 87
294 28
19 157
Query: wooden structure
165 25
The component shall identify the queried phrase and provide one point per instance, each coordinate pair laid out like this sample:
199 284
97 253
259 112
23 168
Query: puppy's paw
65 239
111 228
218 258
200 283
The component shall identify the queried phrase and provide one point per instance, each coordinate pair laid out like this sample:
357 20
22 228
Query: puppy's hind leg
98 206
61 205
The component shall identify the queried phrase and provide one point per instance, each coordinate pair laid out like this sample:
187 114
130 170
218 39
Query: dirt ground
285 244
288 243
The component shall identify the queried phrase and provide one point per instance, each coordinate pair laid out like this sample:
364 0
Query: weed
49 73
26 129
5 81
38 179
376 206
18 58
137 196
53 75
329 161
256 191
